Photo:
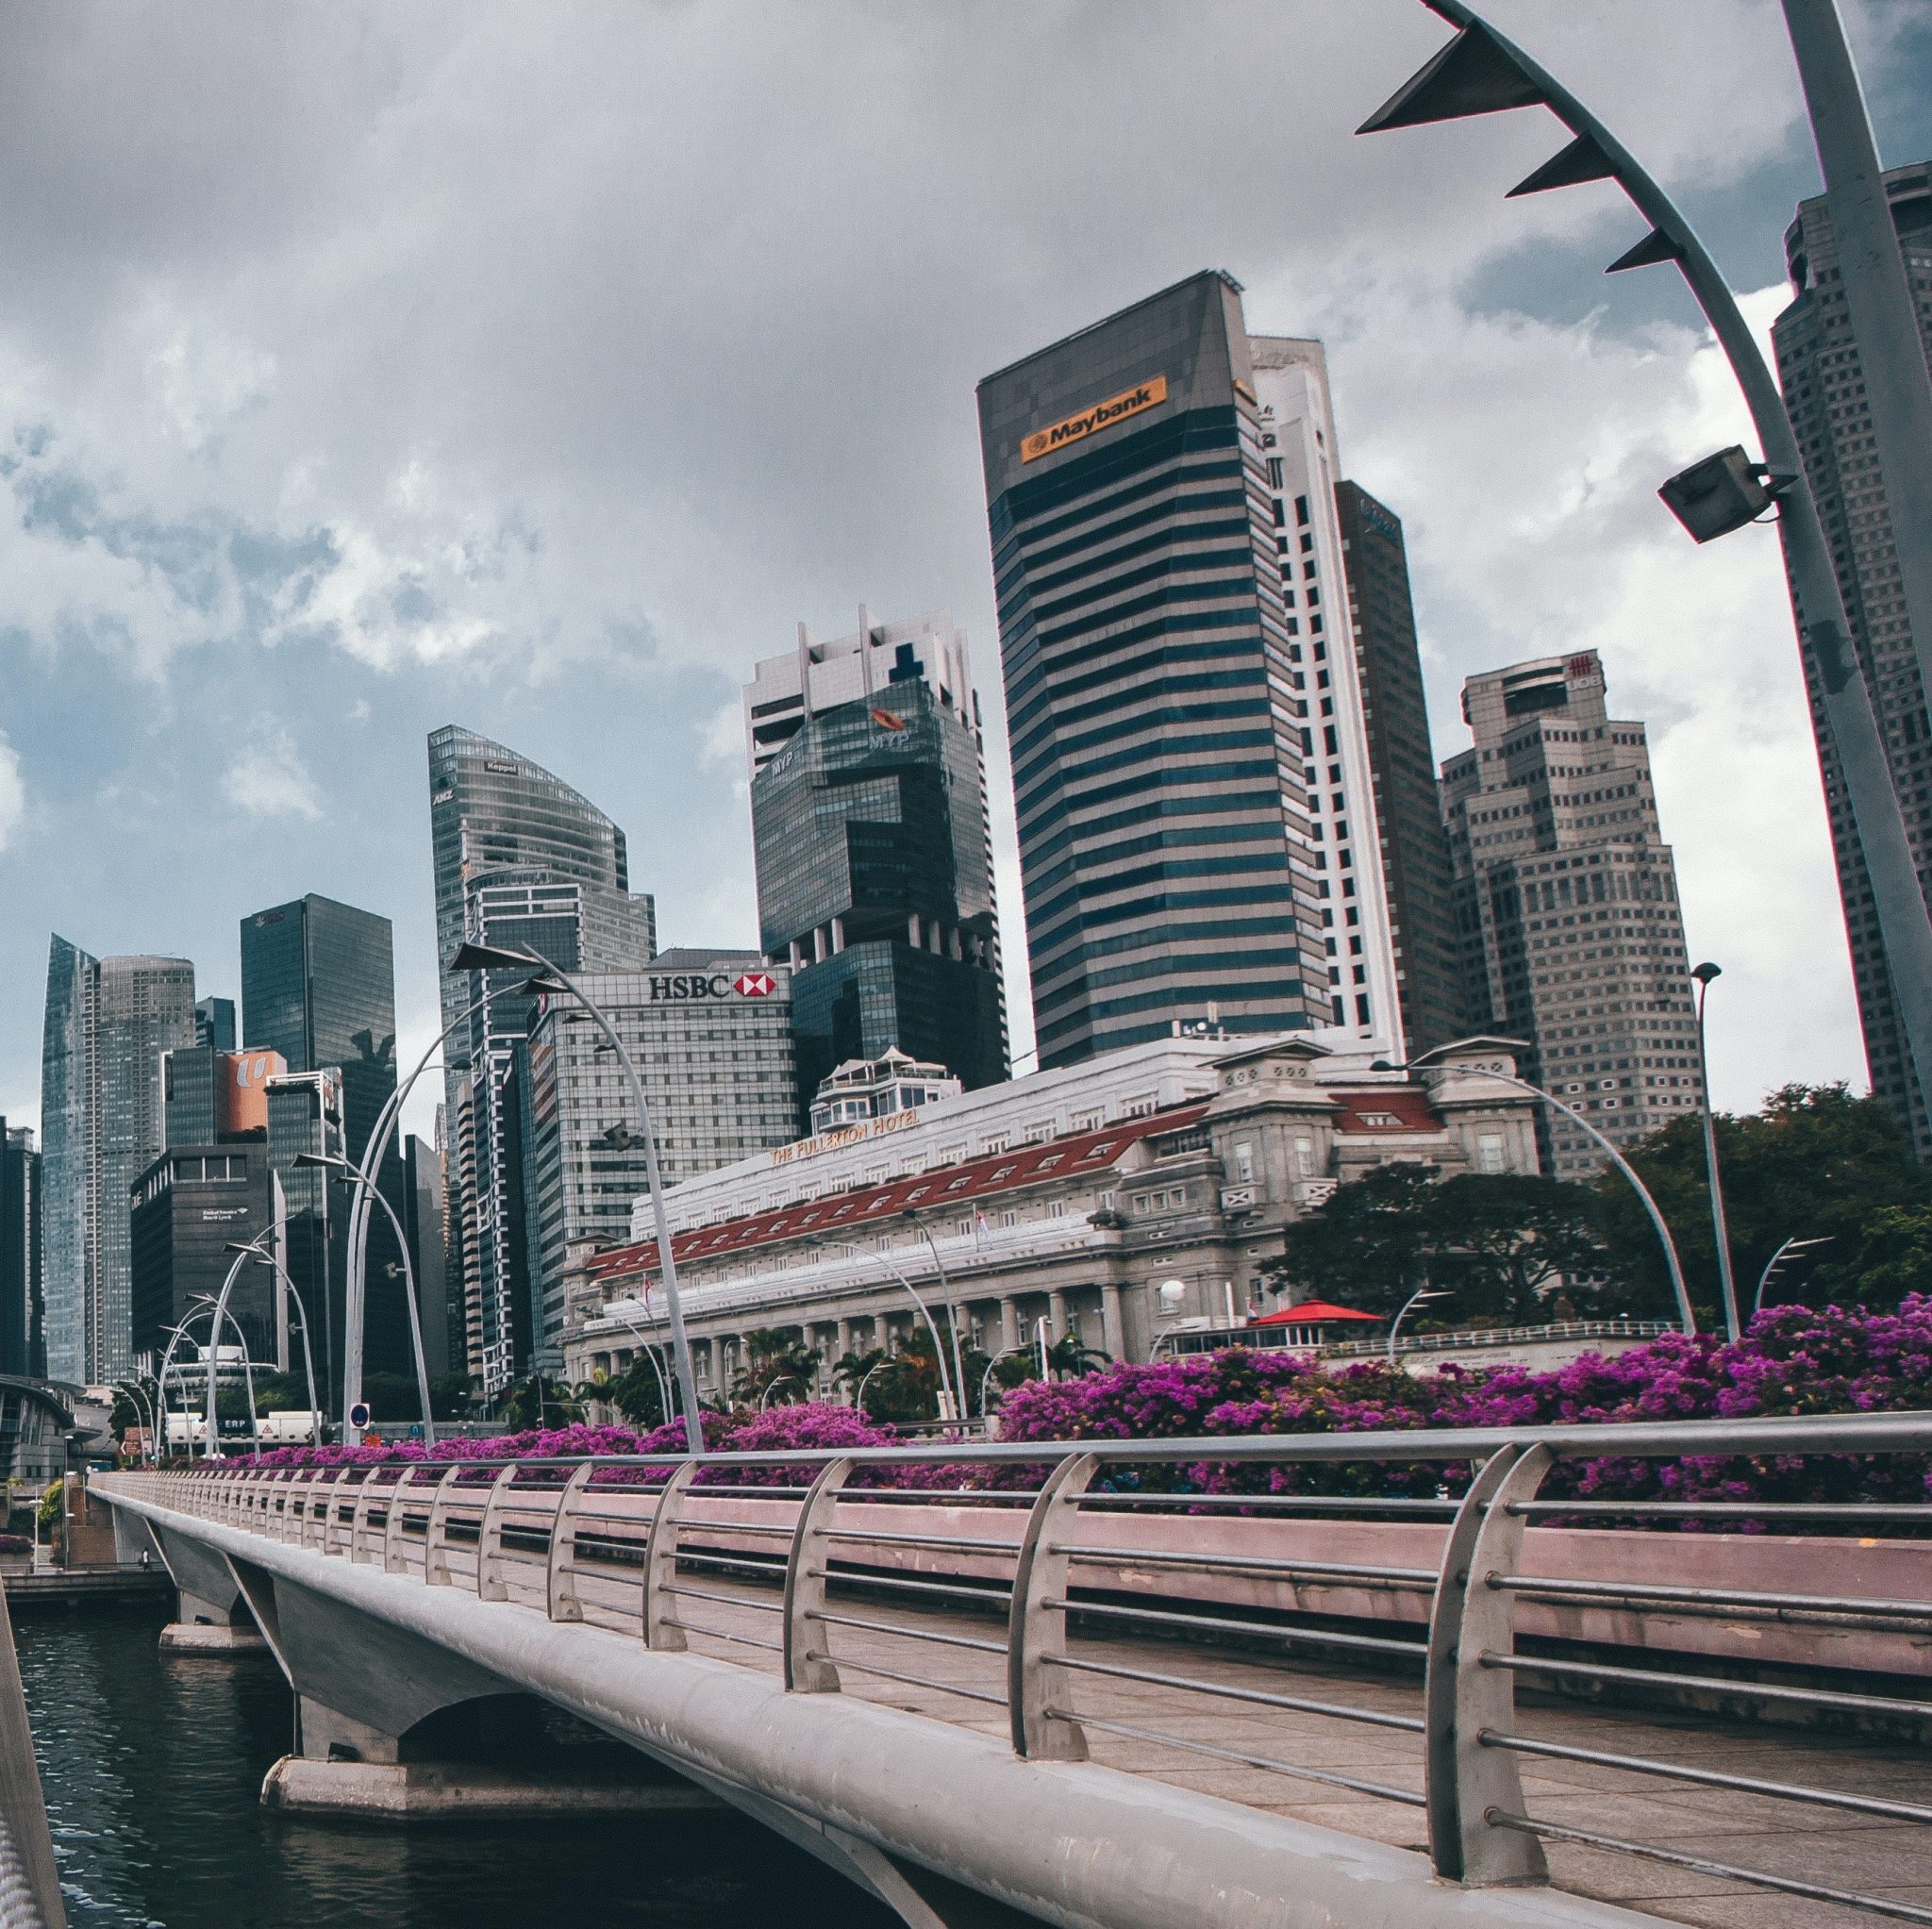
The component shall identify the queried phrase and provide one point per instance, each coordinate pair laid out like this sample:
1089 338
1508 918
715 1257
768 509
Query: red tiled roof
1385 1108
968 1183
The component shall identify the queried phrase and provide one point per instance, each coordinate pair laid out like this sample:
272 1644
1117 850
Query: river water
153 1765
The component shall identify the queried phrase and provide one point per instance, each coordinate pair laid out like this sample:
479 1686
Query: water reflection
153 1767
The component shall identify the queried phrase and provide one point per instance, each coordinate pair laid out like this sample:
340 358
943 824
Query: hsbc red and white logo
755 984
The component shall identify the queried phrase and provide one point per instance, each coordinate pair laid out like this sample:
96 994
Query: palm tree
773 1354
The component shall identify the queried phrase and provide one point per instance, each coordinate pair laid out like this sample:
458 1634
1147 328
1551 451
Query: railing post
560 1570
393 1559
660 1563
306 1525
335 1487
808 1669
489 1583
1463 1698
435 1556
360 1519
1041 1732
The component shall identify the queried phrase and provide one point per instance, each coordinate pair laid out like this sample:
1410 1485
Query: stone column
1113 1325
1057 1315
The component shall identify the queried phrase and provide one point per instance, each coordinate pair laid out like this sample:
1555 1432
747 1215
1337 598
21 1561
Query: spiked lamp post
549 977
1480 72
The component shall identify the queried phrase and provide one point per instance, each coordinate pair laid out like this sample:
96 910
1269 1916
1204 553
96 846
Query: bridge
999 1683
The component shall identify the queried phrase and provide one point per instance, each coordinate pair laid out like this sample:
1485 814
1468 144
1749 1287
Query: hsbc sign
685 986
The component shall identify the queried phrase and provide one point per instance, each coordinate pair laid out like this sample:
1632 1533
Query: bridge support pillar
211 1618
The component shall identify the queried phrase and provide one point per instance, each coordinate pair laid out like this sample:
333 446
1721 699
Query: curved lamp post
489 958
986 1378
1703 973
1789 1247
380 1137
949 1395
1687 1317
242 1251
277 1267
143 1406
348 1172
1421 1294
650 1352
1481 72
932 1246
772 1386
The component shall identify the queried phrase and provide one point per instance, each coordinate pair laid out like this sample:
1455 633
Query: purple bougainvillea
1794 1360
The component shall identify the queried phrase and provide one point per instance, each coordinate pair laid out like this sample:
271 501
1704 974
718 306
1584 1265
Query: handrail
1480 1828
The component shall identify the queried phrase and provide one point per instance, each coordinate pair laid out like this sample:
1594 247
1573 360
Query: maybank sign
1134 401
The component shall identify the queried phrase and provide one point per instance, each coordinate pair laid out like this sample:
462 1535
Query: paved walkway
965 1685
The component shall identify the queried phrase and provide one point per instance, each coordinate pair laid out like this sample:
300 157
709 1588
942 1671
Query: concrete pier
468 1792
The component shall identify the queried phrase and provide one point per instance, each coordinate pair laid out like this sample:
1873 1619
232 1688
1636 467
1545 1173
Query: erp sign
682 986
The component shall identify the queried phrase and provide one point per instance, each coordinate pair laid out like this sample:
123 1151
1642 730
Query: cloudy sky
364 368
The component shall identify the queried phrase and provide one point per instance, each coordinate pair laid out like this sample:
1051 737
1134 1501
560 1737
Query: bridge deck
1872 1854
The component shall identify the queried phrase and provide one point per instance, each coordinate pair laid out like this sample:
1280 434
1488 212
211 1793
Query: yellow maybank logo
1043 441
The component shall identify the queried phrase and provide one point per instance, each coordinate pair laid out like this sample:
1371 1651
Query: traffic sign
358 1415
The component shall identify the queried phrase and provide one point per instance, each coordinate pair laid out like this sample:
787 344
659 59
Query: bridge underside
943 1824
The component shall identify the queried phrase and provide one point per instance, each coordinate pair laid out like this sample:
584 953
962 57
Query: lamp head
492 958
1705 971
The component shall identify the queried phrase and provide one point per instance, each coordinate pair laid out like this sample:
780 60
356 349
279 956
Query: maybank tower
1168 736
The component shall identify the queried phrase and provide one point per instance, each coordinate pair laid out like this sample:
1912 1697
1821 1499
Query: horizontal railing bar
911 1634
1842 1607
1812 1433
1253 1761
1012 1496
1412 1724
997 1597
786 1528
1651 1678
718 1634
887 1536
1739 1510
1415 1650
972 1694
1704 1865
1188 1503
1268 1564
1709 1778
724 1599
749 1563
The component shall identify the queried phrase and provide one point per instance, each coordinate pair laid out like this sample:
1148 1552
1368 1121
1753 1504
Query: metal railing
1080 1546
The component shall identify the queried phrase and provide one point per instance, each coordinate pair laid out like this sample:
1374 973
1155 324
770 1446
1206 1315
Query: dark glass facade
317 985
1156 738
1416 866
186 1208
22 1341
214 1022
875 886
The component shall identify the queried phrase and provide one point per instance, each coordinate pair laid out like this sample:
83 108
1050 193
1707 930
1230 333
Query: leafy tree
449 1395
775 1360
1070 1356
538 1402
1815 1163
1501 1242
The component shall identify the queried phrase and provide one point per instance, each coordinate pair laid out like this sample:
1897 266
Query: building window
1489 1151
1244 1162
1305 1157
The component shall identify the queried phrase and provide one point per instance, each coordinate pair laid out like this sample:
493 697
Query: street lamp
1480 72
1687 1317
948 1397
1703 974
348 1172
770 1385
489 958
1419 1297
945 1293
143 1406
276 1266
1787 1250
649 1352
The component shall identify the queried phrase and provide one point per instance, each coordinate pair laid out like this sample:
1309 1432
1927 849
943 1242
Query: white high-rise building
1304 465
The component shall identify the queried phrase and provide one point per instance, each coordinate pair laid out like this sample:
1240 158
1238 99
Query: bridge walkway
911 1668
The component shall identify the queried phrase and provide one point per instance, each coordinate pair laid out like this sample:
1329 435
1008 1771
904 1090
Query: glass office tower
23 1339
107 1022
317 985
875 883
521 859
1158 722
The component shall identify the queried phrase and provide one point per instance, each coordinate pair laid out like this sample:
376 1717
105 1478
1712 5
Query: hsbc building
711 1034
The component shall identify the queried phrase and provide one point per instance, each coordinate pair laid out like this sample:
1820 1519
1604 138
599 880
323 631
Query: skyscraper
1303 459
108 1023
23 1339
318 987
1162 726
214 1023
524 860
1573 939
710 1034
874 866
1825 391
1416 871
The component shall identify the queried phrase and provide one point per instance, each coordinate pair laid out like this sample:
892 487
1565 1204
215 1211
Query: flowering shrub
1794 1360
